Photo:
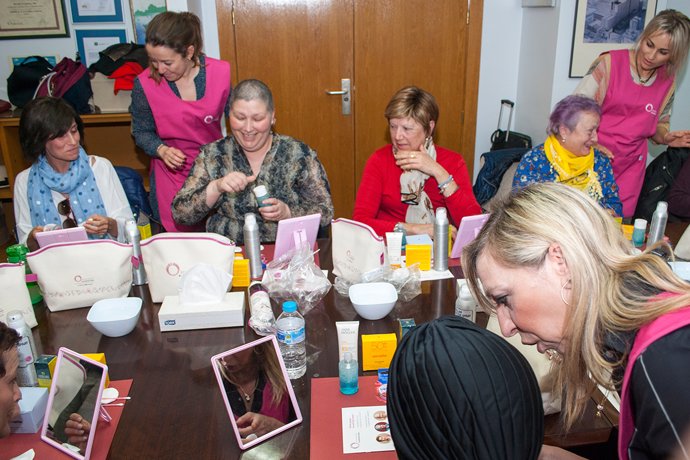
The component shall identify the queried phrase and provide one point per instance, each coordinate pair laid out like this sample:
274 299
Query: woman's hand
275 211
173 158
233 182
77 431
100 225
677 139
257 424
413 160
31 242
556 453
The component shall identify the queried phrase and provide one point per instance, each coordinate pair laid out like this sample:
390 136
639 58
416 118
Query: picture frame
142 13
602 26
101 11
36 19
91 42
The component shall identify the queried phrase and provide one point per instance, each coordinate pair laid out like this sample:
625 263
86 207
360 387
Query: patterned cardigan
291 172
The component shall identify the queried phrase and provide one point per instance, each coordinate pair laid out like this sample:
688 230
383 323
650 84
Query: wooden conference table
176 410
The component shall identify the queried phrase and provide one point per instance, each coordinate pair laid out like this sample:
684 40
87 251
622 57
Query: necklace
639 76
248 396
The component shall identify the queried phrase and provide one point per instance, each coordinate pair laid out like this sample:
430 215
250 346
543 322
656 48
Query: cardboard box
32 409
45 366
418 253
378 350
99 358
175 317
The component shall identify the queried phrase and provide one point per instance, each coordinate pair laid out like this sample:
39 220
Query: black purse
24 79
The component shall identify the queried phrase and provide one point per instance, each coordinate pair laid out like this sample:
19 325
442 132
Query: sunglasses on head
64 209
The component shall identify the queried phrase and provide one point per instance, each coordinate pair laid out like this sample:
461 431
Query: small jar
261 193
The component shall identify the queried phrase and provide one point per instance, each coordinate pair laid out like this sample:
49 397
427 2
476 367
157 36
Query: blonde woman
557 270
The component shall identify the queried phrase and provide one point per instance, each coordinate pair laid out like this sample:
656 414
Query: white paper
431 275
96 8
366 429
92 45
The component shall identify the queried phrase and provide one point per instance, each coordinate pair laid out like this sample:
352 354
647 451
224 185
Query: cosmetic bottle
134 238
441 240
261 193
639 232
465 305
658 225
252 245
348 372
26 372
262 319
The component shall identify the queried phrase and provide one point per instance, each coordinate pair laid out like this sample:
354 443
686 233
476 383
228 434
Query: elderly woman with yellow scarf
568 155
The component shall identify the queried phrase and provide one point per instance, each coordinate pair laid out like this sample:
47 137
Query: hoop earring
562 140
562 295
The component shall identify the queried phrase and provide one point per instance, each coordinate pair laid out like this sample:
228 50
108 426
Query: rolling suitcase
506 139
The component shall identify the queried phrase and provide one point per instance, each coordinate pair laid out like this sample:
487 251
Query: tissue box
175 317
377 350
32 409
45 366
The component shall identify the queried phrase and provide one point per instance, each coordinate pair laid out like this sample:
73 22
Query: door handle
344 93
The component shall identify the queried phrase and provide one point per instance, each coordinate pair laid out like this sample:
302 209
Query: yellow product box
628 231
240 273
100 358
45 367
378 350
418 253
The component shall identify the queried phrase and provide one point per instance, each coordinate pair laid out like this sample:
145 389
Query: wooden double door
303 48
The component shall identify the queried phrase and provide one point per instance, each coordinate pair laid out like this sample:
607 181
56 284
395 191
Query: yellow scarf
574 171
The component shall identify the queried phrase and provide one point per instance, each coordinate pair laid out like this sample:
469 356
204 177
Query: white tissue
203 284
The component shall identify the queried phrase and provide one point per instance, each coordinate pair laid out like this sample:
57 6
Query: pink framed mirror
255 388
74 403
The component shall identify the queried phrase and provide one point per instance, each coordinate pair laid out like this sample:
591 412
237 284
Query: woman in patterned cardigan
222 178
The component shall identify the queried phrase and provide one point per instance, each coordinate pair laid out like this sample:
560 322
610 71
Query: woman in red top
404 182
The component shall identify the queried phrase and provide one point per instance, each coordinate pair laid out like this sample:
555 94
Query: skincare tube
394 242
348 336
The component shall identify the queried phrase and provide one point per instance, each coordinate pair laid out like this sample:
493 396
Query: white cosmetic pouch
78 274
167 256
356 248
15 294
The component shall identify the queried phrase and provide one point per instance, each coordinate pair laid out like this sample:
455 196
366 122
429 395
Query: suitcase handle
507 102
510 104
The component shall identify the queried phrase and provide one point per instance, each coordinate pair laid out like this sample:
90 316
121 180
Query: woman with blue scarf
64 187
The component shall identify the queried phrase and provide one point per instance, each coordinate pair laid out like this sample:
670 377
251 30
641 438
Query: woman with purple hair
569 155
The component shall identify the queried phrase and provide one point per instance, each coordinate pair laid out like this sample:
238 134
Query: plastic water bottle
441 240
134 238
348 373
658 225
26 372
465 305
290 334
252 245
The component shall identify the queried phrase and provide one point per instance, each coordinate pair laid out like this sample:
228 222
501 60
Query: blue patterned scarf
78 182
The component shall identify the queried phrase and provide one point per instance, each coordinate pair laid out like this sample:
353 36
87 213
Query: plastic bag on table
407 281
295 276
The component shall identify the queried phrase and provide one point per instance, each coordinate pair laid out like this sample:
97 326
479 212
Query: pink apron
186 125
629 116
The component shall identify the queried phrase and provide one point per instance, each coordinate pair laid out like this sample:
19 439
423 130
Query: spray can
252 245
441 240
26 372
658 225
134 238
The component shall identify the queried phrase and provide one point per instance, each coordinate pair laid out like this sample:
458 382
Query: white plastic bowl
373 300
115 317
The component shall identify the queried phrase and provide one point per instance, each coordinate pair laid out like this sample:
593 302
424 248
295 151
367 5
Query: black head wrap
456 390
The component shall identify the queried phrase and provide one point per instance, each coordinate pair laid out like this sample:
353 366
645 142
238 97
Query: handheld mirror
256 391
75 394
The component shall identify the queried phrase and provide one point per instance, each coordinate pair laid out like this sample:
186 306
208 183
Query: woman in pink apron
558 271
177 105
635 90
